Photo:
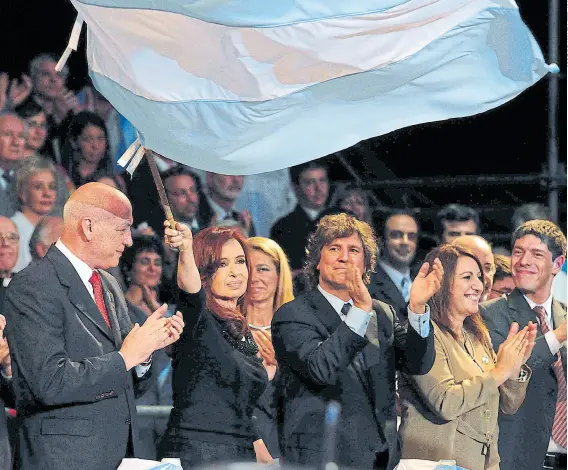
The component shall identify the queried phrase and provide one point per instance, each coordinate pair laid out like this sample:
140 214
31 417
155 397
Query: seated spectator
222 193
311 185
503 283
353 198
455 220
12 141
45 234
51 93
37 137
36 190
398 235
185 194
86 150
141 266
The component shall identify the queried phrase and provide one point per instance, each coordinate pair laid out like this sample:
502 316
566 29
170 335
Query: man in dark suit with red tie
76 359
535 436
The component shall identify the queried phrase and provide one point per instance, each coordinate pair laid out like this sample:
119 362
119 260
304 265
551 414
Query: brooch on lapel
485 359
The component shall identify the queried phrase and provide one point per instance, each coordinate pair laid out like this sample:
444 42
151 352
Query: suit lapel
324 311
558 316
387 287
523 312
77 293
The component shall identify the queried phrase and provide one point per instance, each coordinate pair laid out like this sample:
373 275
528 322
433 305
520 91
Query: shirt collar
312 213
547 304
83 269
396 276
335 302
221 213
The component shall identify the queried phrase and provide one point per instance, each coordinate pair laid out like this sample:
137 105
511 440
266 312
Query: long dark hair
69 155
441 300
207 248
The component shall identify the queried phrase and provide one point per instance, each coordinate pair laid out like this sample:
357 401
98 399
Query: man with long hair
327 346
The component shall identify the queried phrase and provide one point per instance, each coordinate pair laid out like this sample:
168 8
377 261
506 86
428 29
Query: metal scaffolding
553 85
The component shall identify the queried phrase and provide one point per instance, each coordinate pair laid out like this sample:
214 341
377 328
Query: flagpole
160 187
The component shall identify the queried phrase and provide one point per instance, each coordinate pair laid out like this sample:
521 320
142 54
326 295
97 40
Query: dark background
509 140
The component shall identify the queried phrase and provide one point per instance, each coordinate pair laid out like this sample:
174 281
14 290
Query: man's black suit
74 397
6 399
318 359
524 436
382 288
291 233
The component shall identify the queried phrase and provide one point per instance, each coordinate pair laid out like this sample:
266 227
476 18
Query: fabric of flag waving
248 86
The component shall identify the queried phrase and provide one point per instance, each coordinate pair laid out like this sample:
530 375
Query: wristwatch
524 374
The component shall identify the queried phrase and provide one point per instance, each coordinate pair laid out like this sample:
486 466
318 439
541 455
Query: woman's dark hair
28 109
440 301
100 174
141 243
207 248
71 157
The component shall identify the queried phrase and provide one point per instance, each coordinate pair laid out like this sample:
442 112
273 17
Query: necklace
260 327
246 345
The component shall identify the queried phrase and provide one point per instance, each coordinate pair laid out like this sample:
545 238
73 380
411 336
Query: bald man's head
481 249
97 220
102 196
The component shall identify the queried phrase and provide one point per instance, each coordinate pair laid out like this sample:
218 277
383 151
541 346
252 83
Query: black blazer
74 397
291 233
524 436
382 288
315 352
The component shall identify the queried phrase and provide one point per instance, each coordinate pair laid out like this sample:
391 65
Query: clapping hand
156 333
425 285
357 289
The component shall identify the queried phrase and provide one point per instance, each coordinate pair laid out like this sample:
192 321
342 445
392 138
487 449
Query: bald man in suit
76 358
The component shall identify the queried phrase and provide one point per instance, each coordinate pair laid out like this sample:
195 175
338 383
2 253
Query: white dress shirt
85 272
358 320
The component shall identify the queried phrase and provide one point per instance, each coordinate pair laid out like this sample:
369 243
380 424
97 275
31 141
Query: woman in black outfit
217 376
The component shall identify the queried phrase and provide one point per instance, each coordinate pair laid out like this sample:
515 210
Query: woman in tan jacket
451 412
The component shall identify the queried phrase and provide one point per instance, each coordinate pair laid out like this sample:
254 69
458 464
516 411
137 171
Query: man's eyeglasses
11 238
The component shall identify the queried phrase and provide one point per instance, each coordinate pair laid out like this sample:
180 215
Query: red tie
559 425
95 281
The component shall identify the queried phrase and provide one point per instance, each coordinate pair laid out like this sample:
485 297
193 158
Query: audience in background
397 233
45 234
36 190
455 220
311 185
12 141
353 198
503 283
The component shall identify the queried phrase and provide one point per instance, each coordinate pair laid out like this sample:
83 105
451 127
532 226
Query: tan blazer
451 412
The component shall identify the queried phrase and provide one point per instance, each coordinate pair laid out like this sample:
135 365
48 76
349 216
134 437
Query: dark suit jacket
382 288
291 233
524 436
74 397
316 354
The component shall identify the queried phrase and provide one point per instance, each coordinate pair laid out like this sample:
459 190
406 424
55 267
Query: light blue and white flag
250 86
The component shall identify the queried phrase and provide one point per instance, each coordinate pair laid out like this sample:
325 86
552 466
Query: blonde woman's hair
284 290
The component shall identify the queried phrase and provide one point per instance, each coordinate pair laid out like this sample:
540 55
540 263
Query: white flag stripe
170 57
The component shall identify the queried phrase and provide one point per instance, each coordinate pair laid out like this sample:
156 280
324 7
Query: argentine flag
250 86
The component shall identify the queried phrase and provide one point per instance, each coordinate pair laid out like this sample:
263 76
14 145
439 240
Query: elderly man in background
45 234
12 141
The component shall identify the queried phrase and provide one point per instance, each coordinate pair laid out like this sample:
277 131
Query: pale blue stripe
255 13
475 67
